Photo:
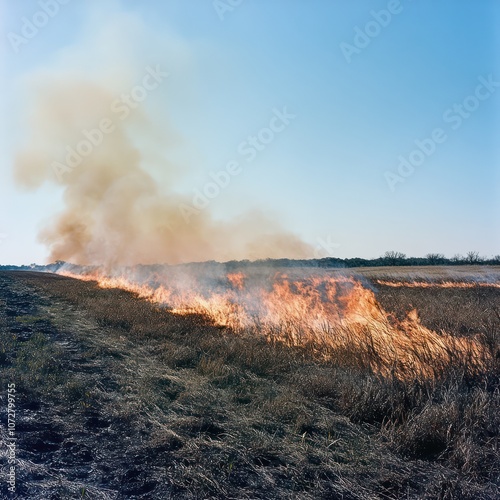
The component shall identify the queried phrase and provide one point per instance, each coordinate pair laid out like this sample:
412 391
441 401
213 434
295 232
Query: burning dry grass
436 284
212 414
330 315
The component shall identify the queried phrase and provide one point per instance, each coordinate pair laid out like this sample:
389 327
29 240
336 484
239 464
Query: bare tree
394 258
473 258
435 258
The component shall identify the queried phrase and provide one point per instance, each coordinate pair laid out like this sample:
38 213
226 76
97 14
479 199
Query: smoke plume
88 129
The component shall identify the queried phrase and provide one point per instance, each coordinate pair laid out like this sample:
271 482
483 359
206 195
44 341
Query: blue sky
325 176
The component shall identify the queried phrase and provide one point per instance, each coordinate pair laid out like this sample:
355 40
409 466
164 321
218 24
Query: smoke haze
103 149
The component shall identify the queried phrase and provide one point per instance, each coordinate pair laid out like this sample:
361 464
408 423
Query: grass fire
324 313
215 382
228 206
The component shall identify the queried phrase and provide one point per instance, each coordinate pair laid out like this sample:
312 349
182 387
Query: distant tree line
391 258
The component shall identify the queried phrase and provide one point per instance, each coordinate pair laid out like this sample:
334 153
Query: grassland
119 398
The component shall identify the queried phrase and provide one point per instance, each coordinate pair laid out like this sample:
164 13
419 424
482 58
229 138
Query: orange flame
237 280
333 315
437 284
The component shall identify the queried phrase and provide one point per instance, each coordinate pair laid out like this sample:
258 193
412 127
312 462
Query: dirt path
91 450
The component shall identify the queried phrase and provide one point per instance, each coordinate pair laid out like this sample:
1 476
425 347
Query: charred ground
118 398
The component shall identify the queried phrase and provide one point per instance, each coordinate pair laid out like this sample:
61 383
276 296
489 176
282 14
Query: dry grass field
118 397
463 272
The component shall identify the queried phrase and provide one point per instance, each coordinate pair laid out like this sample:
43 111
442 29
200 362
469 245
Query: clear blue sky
358 108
